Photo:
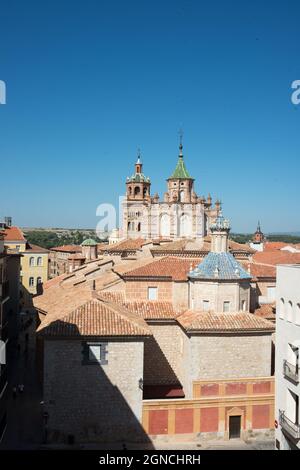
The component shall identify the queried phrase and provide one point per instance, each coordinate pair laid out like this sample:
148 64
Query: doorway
234 427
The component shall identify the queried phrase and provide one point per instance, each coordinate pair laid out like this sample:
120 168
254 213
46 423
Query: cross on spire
180 132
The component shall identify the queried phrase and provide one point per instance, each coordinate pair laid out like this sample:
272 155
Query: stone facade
180 214
94 402
164 355
229 356
235 294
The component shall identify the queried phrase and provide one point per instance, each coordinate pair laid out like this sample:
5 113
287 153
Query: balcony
292 429
291 371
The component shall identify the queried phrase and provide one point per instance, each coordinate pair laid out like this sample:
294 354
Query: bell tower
136 202
138 185
180 183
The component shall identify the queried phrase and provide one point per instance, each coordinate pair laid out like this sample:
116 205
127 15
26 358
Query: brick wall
94 402
138 290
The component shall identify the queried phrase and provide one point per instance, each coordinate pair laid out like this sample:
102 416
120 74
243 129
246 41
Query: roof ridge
123 312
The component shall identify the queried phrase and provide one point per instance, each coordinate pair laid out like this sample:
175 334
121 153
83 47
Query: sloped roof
275 257
271 246
97 318
180 171
267 311
129 244
148 310
262 270
219 266
67 248
35 249
223 322
175 269
13 234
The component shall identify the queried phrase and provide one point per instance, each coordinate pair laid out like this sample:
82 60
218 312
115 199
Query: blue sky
90 82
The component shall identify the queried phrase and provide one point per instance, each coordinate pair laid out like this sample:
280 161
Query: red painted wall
184 421
260 416
262 387
235 388
209 389
158 422
209 418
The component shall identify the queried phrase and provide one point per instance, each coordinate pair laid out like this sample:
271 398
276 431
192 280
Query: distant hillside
50 238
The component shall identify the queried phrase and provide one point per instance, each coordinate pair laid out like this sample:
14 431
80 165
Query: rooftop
97 318
219 266
175 269
12 234
180 171
89 242
223 322
67 248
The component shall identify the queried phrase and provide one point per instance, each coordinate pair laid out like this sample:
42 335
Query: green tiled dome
88 242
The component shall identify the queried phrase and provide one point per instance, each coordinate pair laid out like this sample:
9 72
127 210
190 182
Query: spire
180 143
180 171
258 227
139 160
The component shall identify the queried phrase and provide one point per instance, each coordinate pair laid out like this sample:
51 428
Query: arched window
185 226
243 305
31 282
129 190
165 225
39 261
181 196
137 190
31 261
139 227
145 191
290 311
38 280
282 308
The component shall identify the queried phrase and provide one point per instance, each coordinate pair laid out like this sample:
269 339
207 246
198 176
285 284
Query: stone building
34 262
181 213
59 256
287 358
9 309
202 367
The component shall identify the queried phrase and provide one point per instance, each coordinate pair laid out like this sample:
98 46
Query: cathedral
181 213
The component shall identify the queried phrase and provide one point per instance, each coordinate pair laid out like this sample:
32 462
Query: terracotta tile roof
35 248
234 246
96 318
67 248
149 310
200 245
124 245
262 270
152 310
272 258
267 311
13 234
272 246
223 322
175 269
